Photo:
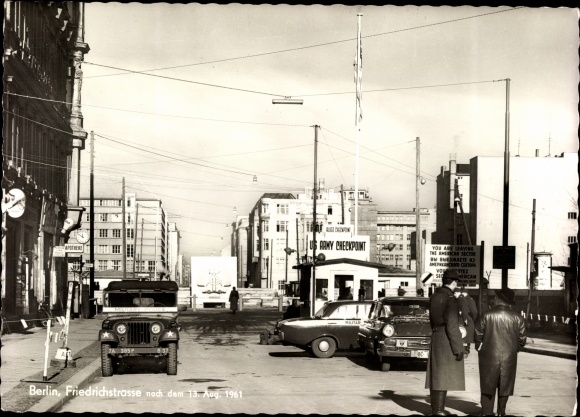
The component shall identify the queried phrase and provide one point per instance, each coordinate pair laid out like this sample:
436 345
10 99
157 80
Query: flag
358 75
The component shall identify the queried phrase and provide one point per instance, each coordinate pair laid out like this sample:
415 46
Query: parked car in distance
141 325
397 327
334 326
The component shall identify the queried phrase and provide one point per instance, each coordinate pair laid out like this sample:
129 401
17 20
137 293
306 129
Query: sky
179 100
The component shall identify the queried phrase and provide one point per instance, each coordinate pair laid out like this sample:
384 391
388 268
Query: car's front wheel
106 361
324 347
172 358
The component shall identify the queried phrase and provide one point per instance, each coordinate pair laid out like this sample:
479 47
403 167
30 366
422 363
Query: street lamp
73 219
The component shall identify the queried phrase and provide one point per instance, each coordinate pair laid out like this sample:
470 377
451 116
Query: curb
564 355
54 402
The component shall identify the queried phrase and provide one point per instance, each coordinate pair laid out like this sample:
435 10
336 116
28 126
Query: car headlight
388 330
156 328
121 328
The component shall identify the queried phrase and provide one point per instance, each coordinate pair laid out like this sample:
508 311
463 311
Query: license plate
423 354
401 343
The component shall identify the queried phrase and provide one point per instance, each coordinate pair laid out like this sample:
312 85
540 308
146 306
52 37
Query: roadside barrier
546 318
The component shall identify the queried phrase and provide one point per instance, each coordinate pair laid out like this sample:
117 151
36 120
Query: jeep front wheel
106 361
172 358
324 347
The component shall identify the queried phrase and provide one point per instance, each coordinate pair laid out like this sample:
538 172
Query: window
309 226
266 244
87 217
281 226
130 251
571 239
282 208
103 249
265 208
129 265
265 226
103 217
329 209
404 283
117 233
151 266
572 215
130 233
117 265
116 249
104 233
102 265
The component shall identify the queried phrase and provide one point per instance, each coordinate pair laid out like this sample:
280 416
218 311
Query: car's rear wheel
324 347
172 358
106 361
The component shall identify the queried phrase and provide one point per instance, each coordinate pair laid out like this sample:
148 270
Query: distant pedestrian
445 367
234 298
499 335
467 311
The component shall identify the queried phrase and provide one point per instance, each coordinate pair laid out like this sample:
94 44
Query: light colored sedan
334 326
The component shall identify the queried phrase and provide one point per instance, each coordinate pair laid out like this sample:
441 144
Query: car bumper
134 351
401 352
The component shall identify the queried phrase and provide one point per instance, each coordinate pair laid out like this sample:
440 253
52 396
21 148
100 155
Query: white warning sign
464 259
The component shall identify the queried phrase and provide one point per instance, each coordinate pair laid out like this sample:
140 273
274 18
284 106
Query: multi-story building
552 182
396 236
367 215
134 248
278 228
43 135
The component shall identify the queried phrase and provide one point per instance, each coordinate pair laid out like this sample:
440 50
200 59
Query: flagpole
358 116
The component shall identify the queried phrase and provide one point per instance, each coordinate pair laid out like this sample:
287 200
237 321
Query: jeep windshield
140 296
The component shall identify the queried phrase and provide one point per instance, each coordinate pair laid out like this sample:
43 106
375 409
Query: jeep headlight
121 328
388 330
156 328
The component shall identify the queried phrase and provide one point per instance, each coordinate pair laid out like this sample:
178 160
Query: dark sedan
335 326
397 327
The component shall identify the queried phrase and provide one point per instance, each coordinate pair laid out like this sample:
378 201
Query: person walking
468 313
234 298
500 334
445 367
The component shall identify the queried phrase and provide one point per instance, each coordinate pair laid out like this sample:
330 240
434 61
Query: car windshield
392 308
135 298
320 313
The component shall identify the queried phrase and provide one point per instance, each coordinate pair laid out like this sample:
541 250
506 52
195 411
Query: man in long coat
499 335
234 298
445 367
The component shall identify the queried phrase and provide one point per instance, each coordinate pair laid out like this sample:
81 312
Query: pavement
23 362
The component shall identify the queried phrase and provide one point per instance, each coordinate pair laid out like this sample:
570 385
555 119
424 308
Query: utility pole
532 269
418 264
135 241
506 179
92 303
315 224
124 231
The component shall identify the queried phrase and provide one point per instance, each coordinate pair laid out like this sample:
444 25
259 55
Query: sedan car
334 326
397 327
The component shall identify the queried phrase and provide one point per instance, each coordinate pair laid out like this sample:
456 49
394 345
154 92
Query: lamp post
314 195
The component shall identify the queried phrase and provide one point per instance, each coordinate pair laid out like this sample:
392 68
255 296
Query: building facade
278 230
551 181
43 136
396 236
134 246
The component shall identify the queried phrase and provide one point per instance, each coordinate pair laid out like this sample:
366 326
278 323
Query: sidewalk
23 362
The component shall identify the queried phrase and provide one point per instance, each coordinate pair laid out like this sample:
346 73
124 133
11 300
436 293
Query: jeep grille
139 333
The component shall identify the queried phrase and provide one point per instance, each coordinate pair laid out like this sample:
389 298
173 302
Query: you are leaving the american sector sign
465 259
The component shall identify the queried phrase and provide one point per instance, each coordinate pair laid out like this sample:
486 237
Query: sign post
64 354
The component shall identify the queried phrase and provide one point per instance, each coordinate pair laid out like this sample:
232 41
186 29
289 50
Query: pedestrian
467 311
234 298
499 336
445 367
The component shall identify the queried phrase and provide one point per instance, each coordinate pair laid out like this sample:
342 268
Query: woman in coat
499 335
234 298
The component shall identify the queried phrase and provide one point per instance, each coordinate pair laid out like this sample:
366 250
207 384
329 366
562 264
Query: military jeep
141 326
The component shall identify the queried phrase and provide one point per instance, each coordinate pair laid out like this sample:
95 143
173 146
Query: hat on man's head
507 295
451 274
